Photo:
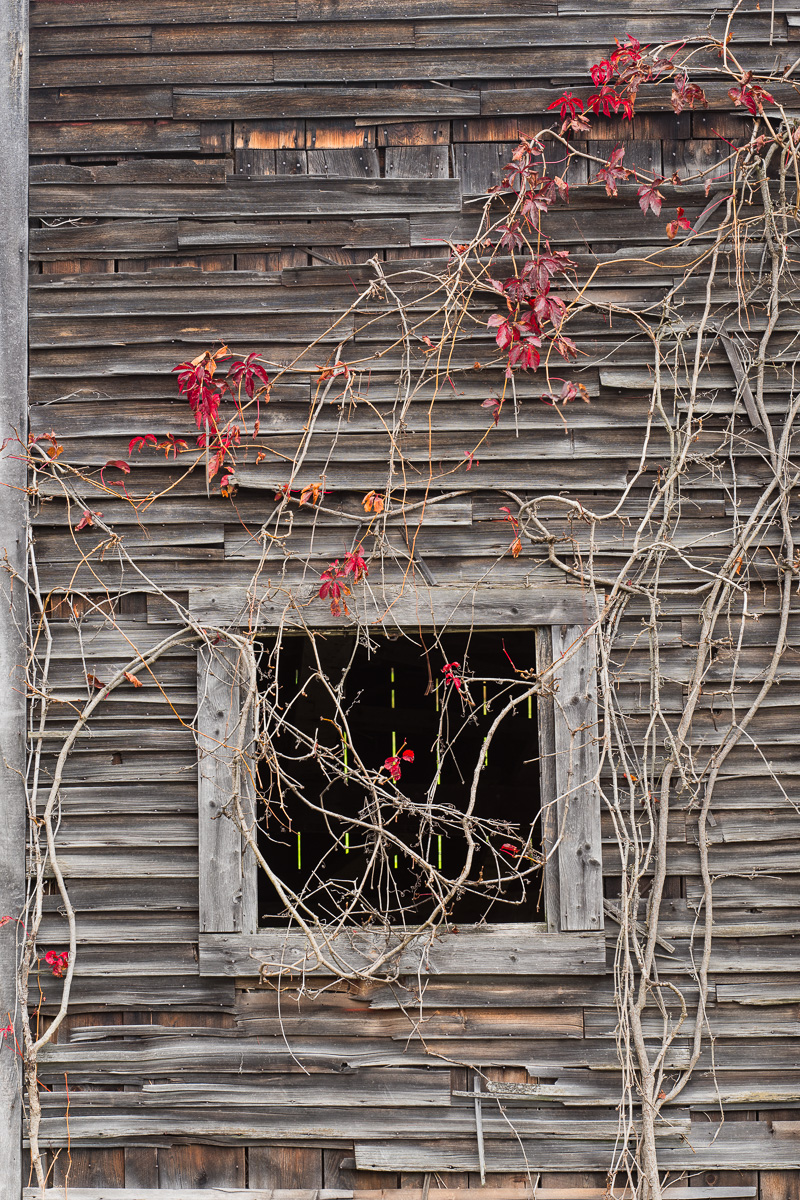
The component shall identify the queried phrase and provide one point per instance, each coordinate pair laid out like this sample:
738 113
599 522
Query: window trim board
230 942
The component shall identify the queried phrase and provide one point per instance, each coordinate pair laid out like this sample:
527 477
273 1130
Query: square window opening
401 697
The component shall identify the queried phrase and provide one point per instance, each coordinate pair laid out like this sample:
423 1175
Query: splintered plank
87 1127
580 862
275 196
381 1088
241 103
749 1144
150 12
417 162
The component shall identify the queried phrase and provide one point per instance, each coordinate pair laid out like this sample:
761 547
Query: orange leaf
372 502
311 493
137 683
94 682
515 548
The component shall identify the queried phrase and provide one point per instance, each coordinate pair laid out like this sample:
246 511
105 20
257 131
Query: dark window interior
394 694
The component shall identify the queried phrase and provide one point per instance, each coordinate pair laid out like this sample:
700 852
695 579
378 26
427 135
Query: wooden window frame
571 941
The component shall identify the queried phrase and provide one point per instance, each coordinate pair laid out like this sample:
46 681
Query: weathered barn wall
196 176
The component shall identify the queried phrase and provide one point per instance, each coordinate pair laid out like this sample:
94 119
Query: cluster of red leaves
526 176
333 581
618 79
751 95
393 764
530 305
197 381
57 962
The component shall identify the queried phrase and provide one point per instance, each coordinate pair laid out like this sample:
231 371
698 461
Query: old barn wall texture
221 170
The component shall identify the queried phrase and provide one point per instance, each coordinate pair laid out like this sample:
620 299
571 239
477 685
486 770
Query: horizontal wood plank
287 102
439 607
146 12
512 950
299 196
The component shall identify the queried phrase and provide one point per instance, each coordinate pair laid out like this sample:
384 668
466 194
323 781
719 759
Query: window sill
473 950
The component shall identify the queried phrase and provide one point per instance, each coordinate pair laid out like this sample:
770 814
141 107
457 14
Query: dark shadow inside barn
437 699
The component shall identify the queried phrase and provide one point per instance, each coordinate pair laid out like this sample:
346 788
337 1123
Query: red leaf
138 443
569 391
57 962
354 565
119 464
494 404
613 171
567 104
650 197
601 73
87 520
451 675
392 765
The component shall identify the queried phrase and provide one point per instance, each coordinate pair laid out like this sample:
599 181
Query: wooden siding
203 170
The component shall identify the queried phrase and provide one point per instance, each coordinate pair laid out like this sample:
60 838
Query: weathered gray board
13 549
